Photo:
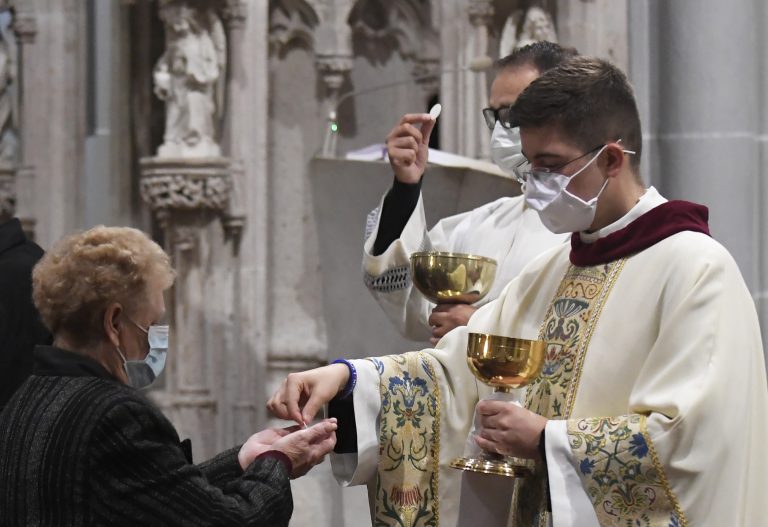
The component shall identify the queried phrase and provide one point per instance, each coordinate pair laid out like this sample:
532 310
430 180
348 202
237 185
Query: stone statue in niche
536 25
190 77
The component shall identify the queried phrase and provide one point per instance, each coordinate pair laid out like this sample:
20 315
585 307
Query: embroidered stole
567 328
409 442
617 462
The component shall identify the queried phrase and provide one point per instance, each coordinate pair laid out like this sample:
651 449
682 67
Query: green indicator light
334 127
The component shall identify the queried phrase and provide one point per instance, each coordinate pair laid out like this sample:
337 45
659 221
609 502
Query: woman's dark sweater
79 448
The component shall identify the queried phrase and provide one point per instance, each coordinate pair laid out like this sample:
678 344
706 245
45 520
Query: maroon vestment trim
655 225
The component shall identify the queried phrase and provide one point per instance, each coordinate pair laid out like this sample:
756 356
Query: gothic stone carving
426 71
9 138
291 22
185 184
520 30
481 12
333 69
377 24
234 13
538 25
25 27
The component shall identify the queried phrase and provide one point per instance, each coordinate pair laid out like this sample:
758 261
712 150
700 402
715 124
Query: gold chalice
505 363
452 278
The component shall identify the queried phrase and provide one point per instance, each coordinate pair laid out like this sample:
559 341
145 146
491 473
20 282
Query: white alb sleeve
571 507
359 468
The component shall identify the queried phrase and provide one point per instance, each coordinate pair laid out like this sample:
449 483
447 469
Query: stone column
242 416
707 120
761 297
254 248
463 37
477 140
694 64
450 18
54 116
25 29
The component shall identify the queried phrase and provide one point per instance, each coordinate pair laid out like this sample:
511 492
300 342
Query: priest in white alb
506 230
652 405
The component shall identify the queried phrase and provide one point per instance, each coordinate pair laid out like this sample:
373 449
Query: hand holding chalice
505 363
453 281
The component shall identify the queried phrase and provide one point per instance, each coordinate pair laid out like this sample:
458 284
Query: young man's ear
613 159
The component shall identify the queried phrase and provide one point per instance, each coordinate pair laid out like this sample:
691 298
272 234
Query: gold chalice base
510 467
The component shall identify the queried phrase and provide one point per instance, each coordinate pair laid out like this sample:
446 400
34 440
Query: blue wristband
351 382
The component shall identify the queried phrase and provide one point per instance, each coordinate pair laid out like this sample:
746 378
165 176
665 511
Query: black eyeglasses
503 115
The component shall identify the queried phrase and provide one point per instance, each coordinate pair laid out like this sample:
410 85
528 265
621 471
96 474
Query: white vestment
654 384
505 230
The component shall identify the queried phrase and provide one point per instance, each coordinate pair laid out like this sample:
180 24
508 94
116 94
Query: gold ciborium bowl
452 278
505 363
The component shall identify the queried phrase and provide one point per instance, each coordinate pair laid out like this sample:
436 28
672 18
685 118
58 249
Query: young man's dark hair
542 55
589 99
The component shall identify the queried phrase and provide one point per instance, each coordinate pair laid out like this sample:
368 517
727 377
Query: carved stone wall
10 106
240 220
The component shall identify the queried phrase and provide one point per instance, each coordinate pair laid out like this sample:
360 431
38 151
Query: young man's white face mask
559 210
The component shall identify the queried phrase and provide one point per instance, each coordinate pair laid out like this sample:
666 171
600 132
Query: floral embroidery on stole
409 442
567 328
617 461
621 472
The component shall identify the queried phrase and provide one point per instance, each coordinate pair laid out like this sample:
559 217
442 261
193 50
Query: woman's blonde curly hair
82 274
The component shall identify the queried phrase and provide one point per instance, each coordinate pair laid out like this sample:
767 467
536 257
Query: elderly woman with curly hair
80 445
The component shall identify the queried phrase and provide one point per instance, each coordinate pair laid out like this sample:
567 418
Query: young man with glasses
505 230
651 407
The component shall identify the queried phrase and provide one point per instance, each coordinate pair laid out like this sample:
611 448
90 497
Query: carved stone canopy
234 13
333 69
25 27
291 22
186 184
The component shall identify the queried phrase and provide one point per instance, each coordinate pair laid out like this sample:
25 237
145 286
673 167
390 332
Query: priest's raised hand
408 146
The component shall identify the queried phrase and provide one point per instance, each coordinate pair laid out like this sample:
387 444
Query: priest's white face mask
559 210
506 148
